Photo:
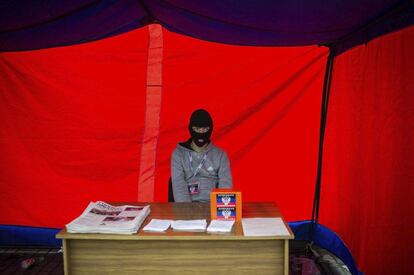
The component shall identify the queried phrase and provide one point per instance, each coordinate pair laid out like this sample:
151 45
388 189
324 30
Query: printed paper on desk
189 225
219 226
157 225
101 217
256 227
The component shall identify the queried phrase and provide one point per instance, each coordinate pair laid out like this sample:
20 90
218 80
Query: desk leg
65 257
286 265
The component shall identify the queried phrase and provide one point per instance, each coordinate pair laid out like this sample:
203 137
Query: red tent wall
368 179
265 103
74 120
71 119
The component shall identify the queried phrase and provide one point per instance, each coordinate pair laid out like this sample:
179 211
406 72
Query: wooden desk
179 252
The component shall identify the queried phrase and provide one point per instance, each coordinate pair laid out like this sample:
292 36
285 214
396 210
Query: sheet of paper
157 225
255 227
217 226
189 225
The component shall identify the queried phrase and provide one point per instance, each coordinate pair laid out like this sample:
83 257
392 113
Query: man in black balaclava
197 166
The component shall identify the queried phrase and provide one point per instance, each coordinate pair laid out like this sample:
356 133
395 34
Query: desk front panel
175 257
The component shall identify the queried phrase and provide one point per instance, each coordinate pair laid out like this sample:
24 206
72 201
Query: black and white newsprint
100 217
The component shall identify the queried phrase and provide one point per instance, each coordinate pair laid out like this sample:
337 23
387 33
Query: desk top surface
188 211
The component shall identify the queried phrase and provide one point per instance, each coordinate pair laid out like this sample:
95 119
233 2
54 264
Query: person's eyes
201 129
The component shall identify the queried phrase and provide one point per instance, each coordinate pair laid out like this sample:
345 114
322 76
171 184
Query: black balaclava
200 118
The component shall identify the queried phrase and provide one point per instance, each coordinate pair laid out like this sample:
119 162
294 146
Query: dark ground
46 260
49 261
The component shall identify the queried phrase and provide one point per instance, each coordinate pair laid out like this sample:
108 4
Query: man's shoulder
182 147
216 149
186 144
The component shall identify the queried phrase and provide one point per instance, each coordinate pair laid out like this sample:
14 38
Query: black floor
46 260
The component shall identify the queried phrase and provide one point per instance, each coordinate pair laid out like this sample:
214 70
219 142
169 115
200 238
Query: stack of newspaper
100 217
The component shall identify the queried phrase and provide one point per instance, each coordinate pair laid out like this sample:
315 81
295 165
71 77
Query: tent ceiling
27 24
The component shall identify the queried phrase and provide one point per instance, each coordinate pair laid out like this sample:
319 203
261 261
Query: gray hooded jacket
214 171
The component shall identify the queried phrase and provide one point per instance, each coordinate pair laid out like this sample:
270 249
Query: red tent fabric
368 180
78 121
265 103
71 125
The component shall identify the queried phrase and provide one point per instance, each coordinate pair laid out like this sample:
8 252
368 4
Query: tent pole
324 112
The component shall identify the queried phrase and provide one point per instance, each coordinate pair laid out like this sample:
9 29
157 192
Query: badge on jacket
194 188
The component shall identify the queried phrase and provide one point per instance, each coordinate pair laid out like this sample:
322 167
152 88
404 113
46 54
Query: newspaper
100 217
